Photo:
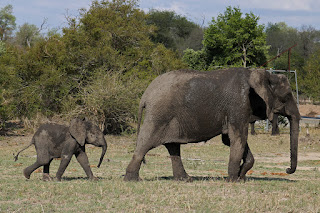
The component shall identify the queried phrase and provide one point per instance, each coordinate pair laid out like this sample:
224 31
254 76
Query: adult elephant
191 106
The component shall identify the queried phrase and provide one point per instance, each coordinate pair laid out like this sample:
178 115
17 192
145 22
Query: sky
296 13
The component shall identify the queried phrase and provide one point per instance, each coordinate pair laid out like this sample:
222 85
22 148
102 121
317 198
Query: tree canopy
232 39
175 31
7 22
100 64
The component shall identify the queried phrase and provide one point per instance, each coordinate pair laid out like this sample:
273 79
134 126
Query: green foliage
7 22
280 37
311 82
235 40
195 59
174 31
2 48
42 83
111 100
98 67
303 58
27 35
7 82
110 45
102 62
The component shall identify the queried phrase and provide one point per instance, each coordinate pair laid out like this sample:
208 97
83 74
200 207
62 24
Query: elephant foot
46 177
93 178
242 178
27 175
132 177
233 179
57 178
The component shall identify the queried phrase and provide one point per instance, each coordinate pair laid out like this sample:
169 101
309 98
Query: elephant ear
260 81
78 130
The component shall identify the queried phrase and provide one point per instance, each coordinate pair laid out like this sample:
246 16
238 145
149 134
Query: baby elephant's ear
78 130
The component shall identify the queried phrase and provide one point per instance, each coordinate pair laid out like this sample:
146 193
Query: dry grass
268 188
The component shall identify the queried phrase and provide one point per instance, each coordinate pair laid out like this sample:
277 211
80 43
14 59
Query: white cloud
286 5
177 6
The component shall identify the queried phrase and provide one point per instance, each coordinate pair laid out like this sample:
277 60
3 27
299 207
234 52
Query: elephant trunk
104 150
294 134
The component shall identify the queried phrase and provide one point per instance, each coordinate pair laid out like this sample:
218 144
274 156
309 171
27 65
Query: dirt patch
309 110
283 158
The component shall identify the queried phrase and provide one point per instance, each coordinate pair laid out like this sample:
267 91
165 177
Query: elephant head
275 92
83 131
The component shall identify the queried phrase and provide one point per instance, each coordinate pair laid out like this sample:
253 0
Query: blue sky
294 12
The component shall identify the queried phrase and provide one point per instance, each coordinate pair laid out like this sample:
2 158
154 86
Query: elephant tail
141 107
16 157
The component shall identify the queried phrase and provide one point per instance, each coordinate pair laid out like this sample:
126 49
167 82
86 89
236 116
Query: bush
111 100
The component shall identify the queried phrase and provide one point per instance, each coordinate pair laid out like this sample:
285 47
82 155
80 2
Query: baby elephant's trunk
104 150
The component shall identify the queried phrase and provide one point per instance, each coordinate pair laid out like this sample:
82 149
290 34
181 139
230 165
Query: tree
7 82
27 35
2 48
232 39
99 66
110 45
175 31
280 37
7 22
310 82
195 59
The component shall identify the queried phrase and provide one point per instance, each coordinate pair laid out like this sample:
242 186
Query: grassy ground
268 188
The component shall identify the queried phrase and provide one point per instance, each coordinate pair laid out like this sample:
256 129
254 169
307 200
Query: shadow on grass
86 179
207 178
269 179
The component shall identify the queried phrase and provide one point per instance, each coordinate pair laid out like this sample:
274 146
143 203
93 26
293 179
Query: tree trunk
244 56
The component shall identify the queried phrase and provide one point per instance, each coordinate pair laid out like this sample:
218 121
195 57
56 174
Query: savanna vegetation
268 187
101 62
99 65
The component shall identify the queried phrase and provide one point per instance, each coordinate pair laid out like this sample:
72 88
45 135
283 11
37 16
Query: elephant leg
132 171
248 161
253 132
45 175
247 158
238 141
179 172
27 171
82 158
42 159
275 126
65 160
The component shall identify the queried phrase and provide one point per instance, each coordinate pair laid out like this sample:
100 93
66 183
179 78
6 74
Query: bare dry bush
111 101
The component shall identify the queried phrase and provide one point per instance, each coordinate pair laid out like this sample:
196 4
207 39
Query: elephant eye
92 136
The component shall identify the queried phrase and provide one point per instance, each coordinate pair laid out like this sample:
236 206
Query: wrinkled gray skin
191 106
59 141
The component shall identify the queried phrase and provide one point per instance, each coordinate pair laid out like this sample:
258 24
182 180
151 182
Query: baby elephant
59 141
